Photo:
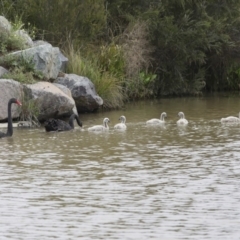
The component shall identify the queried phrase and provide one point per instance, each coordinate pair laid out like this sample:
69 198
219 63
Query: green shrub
107 85
84 20
19 75
141 87
20 69
12 41
29 112
111 59
110 89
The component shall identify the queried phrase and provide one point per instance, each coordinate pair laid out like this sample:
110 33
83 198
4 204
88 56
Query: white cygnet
103 127
231 119
122 124
182 121
156 120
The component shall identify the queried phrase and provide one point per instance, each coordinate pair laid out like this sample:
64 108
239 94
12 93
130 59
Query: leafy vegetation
107 84
10 42
140 49
29 111
56 20
20 69
194 44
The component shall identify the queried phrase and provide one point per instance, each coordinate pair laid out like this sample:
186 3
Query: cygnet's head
106 120
122 119
164 114
181 114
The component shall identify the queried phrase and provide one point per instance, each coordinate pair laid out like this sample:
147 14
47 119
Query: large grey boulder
64 62
46 59
28 42
9 89
67 92
3 71
5 25
63 59
50 100
39 42
83 92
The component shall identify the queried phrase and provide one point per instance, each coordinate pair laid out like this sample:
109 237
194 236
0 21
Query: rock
39 42
25 37
63 88
9 89
83 92
63 59
5 25
3 71
50 100
5 125
45 57
67 92
24 124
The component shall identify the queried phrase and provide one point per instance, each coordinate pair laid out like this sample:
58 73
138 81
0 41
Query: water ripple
145 183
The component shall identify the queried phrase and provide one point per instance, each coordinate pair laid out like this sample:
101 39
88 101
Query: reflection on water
146 182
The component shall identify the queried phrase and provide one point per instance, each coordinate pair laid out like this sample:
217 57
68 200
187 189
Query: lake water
144 183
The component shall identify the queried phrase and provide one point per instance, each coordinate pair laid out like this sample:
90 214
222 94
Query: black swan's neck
10 127
71 119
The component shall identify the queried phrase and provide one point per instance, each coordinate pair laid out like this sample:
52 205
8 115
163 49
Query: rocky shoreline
59 95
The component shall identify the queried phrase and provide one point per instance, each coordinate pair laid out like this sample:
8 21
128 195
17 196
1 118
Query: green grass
11 41
19 75
108 86
29 112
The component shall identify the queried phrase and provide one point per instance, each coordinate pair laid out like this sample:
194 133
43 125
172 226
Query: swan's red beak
18 103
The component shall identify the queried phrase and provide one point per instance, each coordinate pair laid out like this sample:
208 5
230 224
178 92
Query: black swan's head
14 100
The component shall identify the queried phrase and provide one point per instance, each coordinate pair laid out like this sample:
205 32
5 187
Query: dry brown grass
137 49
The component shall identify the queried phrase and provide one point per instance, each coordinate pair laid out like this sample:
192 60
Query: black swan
57 125
10 127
